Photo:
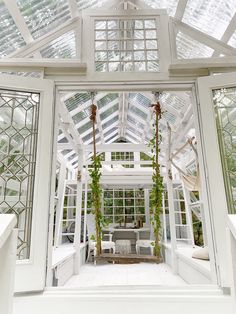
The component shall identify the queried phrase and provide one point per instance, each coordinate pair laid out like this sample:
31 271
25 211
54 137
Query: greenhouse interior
117 156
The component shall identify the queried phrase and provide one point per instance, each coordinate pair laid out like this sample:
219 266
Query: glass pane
43 16
225 109
62 47
18 143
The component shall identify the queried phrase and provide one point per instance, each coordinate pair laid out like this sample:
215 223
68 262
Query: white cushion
201 253
145 243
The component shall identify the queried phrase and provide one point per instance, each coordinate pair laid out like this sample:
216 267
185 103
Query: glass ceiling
43 16
121 115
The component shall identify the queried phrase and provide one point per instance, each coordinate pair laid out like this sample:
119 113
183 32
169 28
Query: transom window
126 45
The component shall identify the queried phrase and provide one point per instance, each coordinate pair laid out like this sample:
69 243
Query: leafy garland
95 174
157 190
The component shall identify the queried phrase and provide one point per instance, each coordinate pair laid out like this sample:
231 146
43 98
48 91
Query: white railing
8 240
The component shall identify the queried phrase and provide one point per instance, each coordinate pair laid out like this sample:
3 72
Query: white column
60 204
164 217
137 158
78 212
85 202
170 192
147 206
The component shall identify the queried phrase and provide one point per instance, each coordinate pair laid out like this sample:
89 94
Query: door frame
187 85
30 274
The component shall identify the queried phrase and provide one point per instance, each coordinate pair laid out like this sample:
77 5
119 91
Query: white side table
123 247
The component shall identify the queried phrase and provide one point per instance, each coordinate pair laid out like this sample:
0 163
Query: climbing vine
157 190
95 174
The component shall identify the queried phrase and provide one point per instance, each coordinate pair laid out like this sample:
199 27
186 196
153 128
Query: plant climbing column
95 174
157 190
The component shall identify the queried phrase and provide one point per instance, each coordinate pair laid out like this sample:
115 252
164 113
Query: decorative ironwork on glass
18 143
225 109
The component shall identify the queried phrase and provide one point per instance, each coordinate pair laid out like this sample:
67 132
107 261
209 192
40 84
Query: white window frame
88 53
214 194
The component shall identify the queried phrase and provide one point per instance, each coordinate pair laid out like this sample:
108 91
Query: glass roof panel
133 130
210 16
110 131
80 116
132 120
42 16
106 100
85 127
108 123
76 100
170 5
112 137
84 4
140 98
173 101
62 47
188 48
10 39
137 111
109 111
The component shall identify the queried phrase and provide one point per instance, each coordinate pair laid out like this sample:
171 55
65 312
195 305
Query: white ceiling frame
89 141
204 38
180 9
63 146
74 12
82 122
119 147
65 127
46 39
227 34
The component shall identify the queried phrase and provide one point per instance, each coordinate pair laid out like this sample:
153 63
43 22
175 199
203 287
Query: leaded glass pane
225 109
18 144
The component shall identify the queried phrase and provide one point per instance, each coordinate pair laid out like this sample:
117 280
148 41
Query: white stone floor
131 274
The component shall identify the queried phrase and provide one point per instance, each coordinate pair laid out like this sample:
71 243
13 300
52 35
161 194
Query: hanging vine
157 190
95 174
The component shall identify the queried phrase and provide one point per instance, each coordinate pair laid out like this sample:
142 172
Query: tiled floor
134 274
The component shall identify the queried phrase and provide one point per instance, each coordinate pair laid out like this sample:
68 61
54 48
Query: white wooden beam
204 38
73 8
180 9
125 107
68 121
19 20
227 34
120 113
119 147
